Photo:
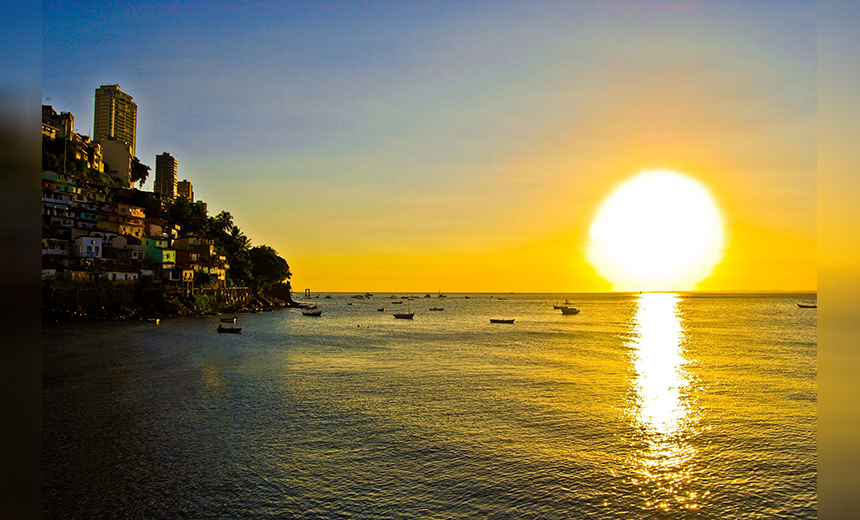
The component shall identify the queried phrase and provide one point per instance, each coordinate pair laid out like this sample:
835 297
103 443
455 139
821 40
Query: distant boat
404 315
313 311
229 330
381 309
442 295
467 297
228 320
807 305
426 295
562 305
437 309
567 311
397 303
496 320
154 321
328 297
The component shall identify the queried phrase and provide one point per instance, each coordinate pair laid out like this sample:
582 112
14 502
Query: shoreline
165 306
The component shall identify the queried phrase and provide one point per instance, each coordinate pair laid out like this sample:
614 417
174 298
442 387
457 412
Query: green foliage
267 267
230 240
139 171
58 155
202 279
206 302
190 217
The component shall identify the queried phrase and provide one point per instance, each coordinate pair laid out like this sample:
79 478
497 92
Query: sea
653 405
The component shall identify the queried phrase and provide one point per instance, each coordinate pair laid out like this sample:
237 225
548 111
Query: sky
462 146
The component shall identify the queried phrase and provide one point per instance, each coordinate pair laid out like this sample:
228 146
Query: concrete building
115 116
165 175
58 125
117 154
184 189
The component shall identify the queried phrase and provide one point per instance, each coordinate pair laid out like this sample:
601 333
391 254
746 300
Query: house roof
130 239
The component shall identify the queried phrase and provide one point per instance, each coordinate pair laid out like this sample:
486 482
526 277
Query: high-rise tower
115 116
165 175
185 189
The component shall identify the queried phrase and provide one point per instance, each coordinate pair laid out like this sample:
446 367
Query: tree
268 268
202 279
221 224
190 217
139 171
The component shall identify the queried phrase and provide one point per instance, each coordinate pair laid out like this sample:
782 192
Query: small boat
568 311
562 305
229 330
437 309
404 315
396 303
228 320
314 311
808 305
467 297
381 309
496 320
349 303
327 297
426 295
154 321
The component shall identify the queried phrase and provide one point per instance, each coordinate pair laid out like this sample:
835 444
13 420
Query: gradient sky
462 146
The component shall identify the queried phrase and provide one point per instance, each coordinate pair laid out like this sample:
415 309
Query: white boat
314 311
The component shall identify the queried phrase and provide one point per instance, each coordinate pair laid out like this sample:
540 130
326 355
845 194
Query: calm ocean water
641 406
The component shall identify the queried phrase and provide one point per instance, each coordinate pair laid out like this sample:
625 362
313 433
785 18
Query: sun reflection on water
663 466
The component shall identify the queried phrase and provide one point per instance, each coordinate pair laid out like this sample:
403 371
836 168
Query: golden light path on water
663 467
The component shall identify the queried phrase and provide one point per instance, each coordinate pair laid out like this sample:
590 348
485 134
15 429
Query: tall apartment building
115 116
184 189
165 175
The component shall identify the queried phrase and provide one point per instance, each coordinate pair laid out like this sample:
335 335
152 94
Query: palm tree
222 223
237 241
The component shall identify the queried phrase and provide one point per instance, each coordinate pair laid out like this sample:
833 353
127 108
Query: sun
658 231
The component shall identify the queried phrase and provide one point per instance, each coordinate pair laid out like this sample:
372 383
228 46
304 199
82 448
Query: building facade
58 125
117 154
115 116
165 175
184 189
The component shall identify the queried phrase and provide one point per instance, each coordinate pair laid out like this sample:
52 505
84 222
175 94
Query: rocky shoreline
166 307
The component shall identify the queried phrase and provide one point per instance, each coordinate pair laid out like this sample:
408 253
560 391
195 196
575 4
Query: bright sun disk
658 231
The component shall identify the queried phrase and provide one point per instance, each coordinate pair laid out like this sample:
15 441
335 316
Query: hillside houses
93 232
